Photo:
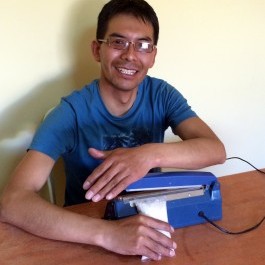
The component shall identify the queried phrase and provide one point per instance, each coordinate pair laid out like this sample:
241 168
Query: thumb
98 154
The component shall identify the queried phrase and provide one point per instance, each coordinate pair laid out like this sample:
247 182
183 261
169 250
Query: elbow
3 209
215 154
7 203
221 154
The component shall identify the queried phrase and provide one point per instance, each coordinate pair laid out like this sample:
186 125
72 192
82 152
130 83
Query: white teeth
126 71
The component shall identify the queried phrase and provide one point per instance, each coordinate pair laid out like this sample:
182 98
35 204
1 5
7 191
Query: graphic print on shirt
135 137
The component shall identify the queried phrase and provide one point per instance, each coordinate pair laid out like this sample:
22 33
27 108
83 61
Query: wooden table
243 206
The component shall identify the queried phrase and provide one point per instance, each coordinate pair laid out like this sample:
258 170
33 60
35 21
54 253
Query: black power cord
239 158
201 213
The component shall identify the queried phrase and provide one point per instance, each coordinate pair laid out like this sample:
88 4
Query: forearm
28 211
137 235
23 207
188 154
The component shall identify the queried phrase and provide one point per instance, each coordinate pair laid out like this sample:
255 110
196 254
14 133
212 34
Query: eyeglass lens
121 44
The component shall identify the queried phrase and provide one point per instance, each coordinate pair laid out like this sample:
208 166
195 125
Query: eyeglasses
122 44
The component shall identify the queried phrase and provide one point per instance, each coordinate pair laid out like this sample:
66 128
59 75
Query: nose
129 53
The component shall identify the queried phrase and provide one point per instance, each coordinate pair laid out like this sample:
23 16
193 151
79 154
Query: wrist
106 235
100 236
152 155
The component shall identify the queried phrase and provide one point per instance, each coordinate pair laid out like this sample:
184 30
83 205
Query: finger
116 188
93 192
110 178
148 254
104 183
158 244
161 244
98 154
159 250
154 228
111 188
97 173
163 239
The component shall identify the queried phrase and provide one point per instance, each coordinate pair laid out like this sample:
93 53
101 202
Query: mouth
124 71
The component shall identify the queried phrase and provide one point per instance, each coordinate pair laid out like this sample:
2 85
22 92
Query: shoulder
83 96
159 87
157 84
154 82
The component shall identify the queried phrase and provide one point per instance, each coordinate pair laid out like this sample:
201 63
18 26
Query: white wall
211 50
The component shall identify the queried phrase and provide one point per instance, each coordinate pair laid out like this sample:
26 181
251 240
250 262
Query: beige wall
212 51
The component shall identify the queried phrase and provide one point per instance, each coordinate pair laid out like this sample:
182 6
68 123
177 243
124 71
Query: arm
200 148
23 207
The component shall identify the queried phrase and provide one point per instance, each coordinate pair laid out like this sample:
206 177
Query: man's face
124 69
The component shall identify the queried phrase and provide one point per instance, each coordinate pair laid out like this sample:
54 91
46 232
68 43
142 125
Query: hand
138 235
120 168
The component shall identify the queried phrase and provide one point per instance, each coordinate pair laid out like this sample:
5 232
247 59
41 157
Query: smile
126 71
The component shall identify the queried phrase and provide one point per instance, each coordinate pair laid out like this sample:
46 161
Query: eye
118 42
144 46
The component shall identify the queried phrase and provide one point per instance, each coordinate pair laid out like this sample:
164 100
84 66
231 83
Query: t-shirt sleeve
56 134
178 108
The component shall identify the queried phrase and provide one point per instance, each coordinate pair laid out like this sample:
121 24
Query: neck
118 102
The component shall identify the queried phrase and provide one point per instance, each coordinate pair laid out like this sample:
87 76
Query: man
110 134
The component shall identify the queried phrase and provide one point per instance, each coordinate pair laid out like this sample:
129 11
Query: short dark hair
138 8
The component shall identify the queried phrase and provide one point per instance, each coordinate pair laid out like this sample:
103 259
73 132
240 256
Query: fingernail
109 196
172 253
86 185
96 198
174 245
89 195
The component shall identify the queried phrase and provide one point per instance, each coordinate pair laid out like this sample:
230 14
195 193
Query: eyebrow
118 35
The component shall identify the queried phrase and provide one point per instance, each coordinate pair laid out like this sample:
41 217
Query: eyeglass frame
127 43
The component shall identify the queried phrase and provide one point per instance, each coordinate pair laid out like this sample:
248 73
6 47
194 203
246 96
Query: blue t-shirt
81 121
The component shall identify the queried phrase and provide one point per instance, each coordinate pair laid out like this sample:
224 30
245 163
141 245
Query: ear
95 47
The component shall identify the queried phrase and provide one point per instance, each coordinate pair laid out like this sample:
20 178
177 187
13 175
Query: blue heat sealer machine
186 193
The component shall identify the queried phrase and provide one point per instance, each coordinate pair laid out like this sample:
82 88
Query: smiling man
110 134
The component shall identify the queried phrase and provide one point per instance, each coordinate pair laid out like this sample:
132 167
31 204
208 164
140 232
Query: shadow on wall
19 121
